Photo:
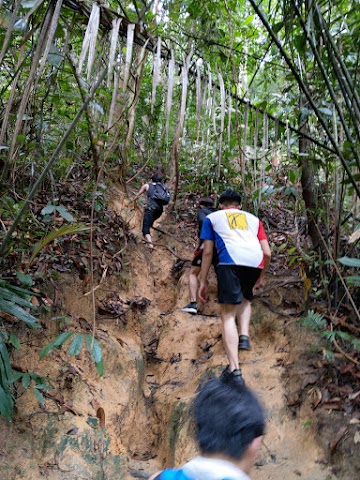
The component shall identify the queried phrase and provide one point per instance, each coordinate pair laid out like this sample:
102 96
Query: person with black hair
244 254
154 204
230 424
206 206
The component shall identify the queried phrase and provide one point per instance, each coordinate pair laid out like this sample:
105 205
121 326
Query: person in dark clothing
153 209
206 206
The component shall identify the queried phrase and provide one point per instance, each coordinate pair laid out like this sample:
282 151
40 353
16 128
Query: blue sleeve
207 231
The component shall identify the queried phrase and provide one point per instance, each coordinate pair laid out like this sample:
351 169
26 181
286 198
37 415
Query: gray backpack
160 193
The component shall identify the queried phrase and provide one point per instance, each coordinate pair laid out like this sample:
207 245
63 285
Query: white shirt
202 468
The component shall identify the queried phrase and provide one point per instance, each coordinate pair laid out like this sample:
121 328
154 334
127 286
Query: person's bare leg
193 282
230 335
243 315
148 240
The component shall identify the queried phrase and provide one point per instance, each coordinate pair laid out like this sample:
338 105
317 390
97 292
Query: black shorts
150 215
197 260
236 283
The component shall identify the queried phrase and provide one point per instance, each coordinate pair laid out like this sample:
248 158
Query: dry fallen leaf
354 421
333 444
315 396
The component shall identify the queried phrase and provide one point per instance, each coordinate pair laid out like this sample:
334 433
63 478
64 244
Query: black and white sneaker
232 377
190 308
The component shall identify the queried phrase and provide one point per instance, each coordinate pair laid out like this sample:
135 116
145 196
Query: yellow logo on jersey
237 220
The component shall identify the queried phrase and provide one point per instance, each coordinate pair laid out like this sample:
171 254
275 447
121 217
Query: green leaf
25 279
56 343
39 396
299 43
353 280
76 344
326 111
15 376
5 367
278 26
350 262
292 176
7 294
14 340
48 209
25 381
291 191
304 113
100 367
248 20
6 404
96 350
293 260
44 387
18 290
54 56
64 213
313 320
19 313
63 230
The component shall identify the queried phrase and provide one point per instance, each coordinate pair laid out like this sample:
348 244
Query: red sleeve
261 232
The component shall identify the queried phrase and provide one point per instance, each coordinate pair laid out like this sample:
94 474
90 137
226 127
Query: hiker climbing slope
206 206
158 195
244 255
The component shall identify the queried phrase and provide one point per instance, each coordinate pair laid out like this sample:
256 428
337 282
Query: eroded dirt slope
135 419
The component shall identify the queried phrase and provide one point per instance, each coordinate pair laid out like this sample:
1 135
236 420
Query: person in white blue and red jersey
243 256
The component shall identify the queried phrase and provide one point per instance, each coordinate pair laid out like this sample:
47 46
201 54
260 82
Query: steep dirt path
135 419
189 349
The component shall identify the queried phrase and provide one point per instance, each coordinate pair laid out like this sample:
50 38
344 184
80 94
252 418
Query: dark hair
206 201
156 177
228 418
230 196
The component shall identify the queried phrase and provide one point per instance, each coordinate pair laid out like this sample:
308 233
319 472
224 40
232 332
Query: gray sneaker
190 308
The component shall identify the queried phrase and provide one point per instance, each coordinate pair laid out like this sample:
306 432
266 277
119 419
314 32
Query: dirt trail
155 356
192 349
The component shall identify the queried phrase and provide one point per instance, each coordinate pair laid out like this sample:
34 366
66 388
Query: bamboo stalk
198 99
229 118
351 90
114 35
136 96
180 122
222 120
9 104
52 159
129 49
171 74
305 90
9 30
156 73
27 90
256 133
330 88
